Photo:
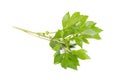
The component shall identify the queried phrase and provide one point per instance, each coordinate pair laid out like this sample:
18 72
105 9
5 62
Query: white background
24 57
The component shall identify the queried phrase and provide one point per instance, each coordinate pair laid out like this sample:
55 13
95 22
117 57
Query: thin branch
36 34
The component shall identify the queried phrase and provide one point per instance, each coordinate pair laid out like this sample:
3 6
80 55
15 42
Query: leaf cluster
76 30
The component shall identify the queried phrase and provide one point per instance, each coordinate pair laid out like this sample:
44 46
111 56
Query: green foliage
80 54
76 30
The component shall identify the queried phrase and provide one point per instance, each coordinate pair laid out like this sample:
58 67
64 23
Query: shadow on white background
24 57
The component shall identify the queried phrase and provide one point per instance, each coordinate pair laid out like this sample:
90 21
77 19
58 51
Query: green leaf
96 29
55 45
89 32
74 24
65 19
74 18
87 25
97 36
79 41
57 57
68 31
70 61
85 40
81 54
82 20
59 34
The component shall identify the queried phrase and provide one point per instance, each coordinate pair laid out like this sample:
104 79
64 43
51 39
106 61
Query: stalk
36 34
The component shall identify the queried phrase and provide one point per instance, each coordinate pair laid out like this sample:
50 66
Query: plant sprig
76 31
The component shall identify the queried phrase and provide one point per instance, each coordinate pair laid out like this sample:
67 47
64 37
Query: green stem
36 34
